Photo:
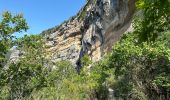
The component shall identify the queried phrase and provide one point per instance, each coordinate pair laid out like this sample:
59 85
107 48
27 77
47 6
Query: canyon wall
93 31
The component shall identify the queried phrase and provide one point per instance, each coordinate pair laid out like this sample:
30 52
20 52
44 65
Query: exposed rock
13 56
95 29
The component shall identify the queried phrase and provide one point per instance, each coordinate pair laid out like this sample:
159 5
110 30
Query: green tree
155 19
141 71
28 73
9 24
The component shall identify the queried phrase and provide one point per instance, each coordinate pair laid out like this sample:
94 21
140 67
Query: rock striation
93 31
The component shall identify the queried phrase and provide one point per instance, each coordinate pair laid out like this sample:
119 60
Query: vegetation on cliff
138 68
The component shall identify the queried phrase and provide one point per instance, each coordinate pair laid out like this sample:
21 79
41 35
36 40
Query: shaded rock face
92 33
12 56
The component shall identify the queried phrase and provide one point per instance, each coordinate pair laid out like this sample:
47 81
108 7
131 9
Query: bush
141 67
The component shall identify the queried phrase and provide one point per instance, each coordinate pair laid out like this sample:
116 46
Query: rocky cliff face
94 30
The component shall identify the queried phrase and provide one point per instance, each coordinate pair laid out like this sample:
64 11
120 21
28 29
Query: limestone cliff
98 25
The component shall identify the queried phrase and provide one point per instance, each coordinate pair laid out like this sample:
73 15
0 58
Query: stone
53 35
49 44
12 56
95 29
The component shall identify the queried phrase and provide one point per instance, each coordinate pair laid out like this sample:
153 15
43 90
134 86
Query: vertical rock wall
98 25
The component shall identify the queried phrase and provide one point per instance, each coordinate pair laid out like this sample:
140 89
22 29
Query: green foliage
64 83
164 39
155 19
56 80
85 61
136 69
27 74
143 67
9 24
83 12
141 59
51 30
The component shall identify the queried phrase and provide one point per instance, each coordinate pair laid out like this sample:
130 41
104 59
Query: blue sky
42 14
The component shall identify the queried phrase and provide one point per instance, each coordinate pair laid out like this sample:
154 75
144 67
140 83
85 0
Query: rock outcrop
12 56
98 25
